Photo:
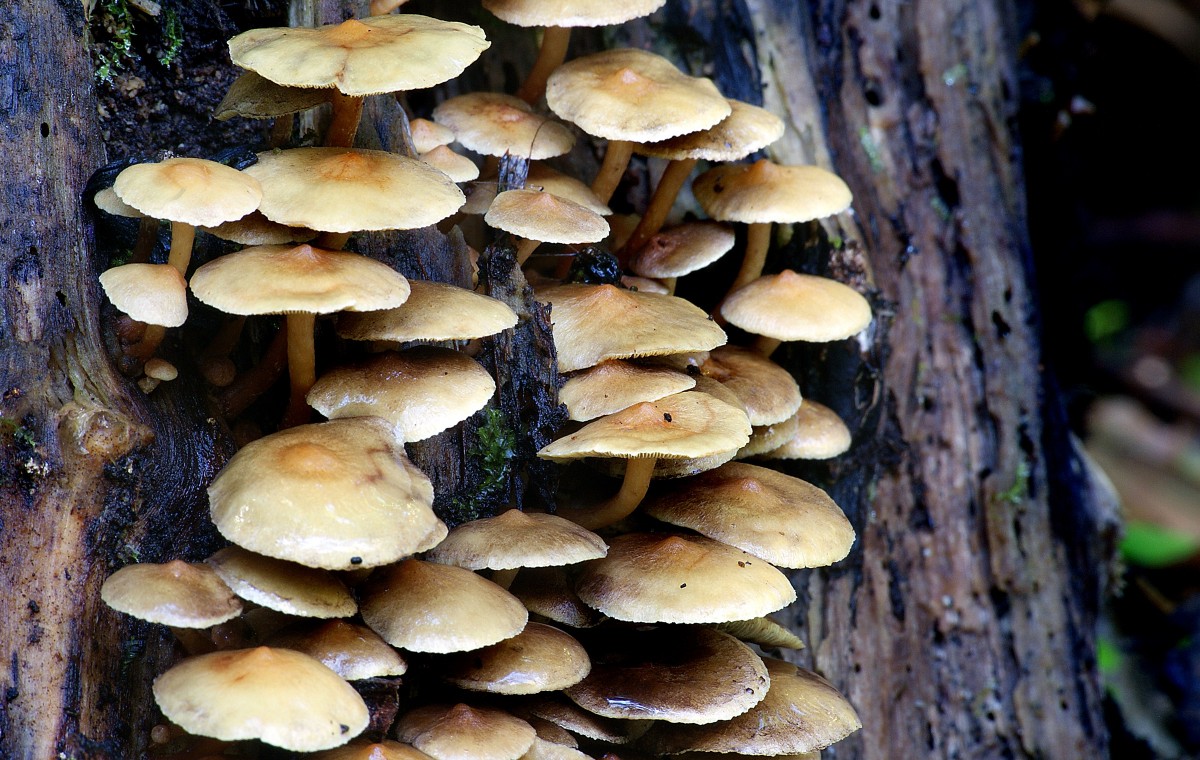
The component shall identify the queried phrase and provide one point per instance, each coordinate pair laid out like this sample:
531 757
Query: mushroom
539 658
462 732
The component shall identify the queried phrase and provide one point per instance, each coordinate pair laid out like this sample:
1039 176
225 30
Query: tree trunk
962 623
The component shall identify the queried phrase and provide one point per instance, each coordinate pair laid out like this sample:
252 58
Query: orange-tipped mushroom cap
175 593
466 733
541 216
194 191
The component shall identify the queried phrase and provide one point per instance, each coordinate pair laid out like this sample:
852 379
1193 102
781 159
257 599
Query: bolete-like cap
283 698
457 167
570 13
539 658
684 249
820 434
362 750
175 593
782 519
791 306
688 674
517 539
275 279
194 191
661 578
494 124
350 650
433 311
746 129
347 190
462 732
583 317
767 192
419 391
613 385
367 57
335 495
427 607
284 586
550 593
630 94
254 97
765 390
544 217
152 293
427 135
801 713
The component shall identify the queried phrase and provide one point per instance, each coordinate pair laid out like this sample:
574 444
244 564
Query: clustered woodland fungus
636 620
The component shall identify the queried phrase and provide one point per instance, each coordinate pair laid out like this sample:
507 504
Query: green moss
20 434
492 454
172 37
115 20
1018 492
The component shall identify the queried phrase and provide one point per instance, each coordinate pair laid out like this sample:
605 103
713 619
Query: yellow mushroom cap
465 733
457 167
152 293
540 177
384 750
433 311
765 390
283 698
791 306
684 249
767 192
367 57
517 539
174 593
352 651
545 217
427 135
570 12
820 434
283 586
335 495
194 191
746 129
613 385
539 658
494 124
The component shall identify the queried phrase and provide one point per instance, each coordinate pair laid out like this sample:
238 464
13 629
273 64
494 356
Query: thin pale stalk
633 490
660 205
302 366
183 235
555 40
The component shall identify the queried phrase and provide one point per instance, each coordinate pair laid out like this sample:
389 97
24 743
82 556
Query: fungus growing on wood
539 658
283 586
462 732
791 306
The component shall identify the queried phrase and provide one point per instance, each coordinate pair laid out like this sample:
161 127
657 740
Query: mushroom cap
801 713
283 586
419 391
791 306
284 698
433 311
517 539
763 631
465 733
679 426
275 279
174 593
660 578
352 189
630 94
550 592
457 167
350 650
367 57
820 434
565 714
539 658
765 438
570 13
256 229
682 250
546 179
545 217
690 674
362 750
746 129
767 192
107 201
194 191
152 293
782 519
255 97
765 390
582 318
613 385
493 123
426 607
427 135
336 495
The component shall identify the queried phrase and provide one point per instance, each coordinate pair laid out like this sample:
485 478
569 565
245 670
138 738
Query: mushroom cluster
633 620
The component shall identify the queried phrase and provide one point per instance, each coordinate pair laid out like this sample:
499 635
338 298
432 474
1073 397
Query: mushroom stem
258 379
555 40
766 346
182 237
758 240
146 238
148 344
347 111
660 205
633 490
302 366
525 248
669 284
281 131
504 578
332 241
193 640
616 161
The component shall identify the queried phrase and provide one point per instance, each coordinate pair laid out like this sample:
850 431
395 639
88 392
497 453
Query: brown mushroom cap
541 216
791 306
746 129
683 249
582 318
763 631
465 733
570 12
367 57
494 124
659 578
175 593
782 519
688 674
420 391
820 434
539 658
347 190
194 191
550 592
517 539
613 385
629 94
433 311
152 293
564 713
278 696
254 97
361 750
283 586
427 607
767 192
336 495
352 651
764 389
802 712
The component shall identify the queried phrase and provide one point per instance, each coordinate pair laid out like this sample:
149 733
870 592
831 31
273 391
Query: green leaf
1105 319
1152 545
